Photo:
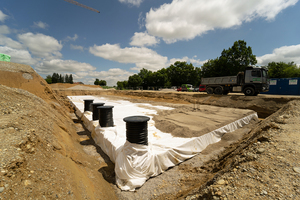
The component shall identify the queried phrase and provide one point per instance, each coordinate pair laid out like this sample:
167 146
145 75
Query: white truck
250 82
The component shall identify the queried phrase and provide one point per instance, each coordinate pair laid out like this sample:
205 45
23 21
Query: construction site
199 146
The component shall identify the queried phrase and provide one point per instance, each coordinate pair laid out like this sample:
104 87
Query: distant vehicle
187 87
179 89
202 88
251 82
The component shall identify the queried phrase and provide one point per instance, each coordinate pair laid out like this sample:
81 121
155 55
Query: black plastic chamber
106 116
87 104
95 110
137 129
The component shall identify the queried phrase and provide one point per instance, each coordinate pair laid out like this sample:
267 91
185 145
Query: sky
55 36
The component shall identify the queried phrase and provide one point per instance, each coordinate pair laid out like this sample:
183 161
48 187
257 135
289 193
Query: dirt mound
40 151
24 77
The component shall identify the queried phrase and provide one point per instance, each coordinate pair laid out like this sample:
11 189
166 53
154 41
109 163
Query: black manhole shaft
106 116
137 129
95 110
87 103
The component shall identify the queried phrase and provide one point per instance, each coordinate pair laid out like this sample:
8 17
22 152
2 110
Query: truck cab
255 81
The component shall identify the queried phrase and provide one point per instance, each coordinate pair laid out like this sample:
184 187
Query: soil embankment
40 152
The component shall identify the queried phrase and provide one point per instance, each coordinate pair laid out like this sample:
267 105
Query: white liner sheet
135 163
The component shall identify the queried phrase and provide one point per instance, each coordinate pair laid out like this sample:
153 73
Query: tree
237 58
181 72
145 75
55 78
48 79
97 82
102 82
66 78
135 80
122 84
231 61
61 79
283 70
71 79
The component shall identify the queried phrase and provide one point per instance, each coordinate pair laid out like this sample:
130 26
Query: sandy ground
44 154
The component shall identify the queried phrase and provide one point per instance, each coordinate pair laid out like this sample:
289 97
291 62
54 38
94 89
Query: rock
221 182
264 192
27 182
1 189
296 169
260 150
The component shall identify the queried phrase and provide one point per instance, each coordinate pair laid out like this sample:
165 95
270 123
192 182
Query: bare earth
46 155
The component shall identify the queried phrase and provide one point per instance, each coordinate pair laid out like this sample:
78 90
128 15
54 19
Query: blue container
284 86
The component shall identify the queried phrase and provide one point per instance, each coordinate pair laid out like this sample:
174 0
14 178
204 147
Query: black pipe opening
137 129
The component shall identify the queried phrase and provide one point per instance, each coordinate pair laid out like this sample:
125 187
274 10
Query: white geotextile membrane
135 163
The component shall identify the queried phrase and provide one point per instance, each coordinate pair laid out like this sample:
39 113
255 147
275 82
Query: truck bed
224 80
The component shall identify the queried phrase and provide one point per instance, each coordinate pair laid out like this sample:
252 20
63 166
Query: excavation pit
175 134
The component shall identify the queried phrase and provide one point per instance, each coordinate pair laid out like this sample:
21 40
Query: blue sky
128 35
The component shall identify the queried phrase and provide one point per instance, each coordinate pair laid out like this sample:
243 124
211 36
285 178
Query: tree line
58 78
230 63
100 82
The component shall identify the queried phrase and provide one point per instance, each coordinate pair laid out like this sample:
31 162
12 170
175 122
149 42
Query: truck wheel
218 90
249 91
209 90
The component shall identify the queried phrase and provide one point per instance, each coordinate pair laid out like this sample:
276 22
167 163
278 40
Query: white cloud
4 29
133 2
76 47
194 61
3 16
72 38
6 41
18 56
112 76
142 57
81 74
141 20
40 25
184 20
41 45
61 66
282 54
143 39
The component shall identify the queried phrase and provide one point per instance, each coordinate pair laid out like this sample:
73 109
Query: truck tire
249 91
209 90
218 90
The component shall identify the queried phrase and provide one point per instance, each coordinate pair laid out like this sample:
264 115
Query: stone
27 182
264 192
1 189
260 150
221 182
296 169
